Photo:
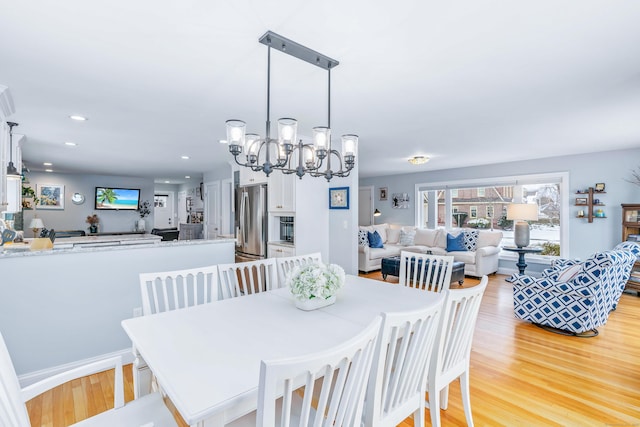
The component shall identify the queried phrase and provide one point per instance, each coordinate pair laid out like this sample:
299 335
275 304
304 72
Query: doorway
163 210
212 209
365 205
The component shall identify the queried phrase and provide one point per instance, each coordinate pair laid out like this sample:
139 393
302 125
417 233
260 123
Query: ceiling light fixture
12 172
78 118
184 157
418 160
310 157
47 164
70 144
187 177
48 170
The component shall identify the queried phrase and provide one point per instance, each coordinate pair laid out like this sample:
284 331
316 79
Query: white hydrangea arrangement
316 280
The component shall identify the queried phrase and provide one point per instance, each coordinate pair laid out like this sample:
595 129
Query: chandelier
286 153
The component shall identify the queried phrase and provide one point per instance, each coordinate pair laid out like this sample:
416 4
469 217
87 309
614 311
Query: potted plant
144 210
29 199
93 222
315 285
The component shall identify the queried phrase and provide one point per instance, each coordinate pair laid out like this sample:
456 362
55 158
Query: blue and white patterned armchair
575 296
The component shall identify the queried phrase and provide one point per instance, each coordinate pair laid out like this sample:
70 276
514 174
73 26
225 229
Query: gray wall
60 308
73 217
610 167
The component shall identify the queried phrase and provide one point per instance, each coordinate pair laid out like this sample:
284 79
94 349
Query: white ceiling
465 83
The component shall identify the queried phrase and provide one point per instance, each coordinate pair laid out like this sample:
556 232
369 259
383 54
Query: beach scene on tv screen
117 198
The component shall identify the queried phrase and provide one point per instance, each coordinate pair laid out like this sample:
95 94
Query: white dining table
207 358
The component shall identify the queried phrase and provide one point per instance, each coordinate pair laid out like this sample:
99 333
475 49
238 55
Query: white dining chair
425 271
451 356
167 291
399 373
171 290
149 410
286 264
246 278
322 389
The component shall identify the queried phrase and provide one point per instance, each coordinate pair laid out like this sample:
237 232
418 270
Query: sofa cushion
455 243
426 237
375 241
407 237
416 248
489 238
382 231
470 239
569 272
385 252
393 235
467 257
363 240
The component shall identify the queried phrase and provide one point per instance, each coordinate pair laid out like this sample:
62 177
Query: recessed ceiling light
223 141
48 170
70 144
418 160
78 118
167 182
184 157
47 164
187 177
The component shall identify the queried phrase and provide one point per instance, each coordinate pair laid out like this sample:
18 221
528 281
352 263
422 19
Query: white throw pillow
426 237
406 237
489 238
393 235
568 273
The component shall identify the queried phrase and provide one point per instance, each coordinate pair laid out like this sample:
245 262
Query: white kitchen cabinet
249 177
275 250
282 192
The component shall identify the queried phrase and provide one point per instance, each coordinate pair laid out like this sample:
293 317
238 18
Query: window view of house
486 208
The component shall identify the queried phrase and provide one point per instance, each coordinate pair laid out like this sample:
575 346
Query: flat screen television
119 199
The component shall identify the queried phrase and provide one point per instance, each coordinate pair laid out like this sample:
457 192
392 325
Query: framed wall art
383 193
400 201
339 198
50 196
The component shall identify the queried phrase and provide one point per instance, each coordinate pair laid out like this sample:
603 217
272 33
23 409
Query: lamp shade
523 211
377 213
36 223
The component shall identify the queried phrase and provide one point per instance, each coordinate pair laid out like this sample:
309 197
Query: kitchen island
62 306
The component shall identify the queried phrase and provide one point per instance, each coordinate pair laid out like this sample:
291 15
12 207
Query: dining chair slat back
287 264
425 271
149 410
451 355
399 373
246 278
341 373
171 290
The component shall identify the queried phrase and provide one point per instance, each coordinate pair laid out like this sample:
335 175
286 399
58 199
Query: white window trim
560 177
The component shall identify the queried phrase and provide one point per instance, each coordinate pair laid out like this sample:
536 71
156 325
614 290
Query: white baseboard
34 377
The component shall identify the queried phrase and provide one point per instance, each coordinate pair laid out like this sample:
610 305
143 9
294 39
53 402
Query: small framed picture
600 186
383 193
339 198
581 200
50 196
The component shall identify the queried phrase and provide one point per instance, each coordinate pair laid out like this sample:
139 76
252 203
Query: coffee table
391 266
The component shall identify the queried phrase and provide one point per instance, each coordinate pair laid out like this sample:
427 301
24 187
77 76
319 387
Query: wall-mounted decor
383 193
50 196
599 187
400 201
339 198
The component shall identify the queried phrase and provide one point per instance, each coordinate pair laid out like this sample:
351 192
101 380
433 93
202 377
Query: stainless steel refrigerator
251 222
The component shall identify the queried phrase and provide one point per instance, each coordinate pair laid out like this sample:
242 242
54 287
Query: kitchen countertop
70 245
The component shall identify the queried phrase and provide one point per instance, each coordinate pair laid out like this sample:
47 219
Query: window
160 200
483 204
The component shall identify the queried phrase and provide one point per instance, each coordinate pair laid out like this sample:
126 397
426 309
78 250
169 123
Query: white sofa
483 260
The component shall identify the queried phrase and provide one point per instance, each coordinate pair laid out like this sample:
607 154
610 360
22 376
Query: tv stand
116 233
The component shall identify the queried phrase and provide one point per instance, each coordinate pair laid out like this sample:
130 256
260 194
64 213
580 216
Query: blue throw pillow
456 243
375 241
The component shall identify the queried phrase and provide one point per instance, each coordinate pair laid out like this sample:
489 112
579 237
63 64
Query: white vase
314 303
141 224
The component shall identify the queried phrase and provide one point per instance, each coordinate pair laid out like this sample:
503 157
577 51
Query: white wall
610 167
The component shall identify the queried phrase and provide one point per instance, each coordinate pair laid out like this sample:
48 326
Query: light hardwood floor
521 375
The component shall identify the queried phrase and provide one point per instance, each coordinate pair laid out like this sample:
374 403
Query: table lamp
36 224
520 213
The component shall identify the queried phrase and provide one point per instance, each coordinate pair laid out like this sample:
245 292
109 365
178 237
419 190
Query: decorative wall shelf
589 203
